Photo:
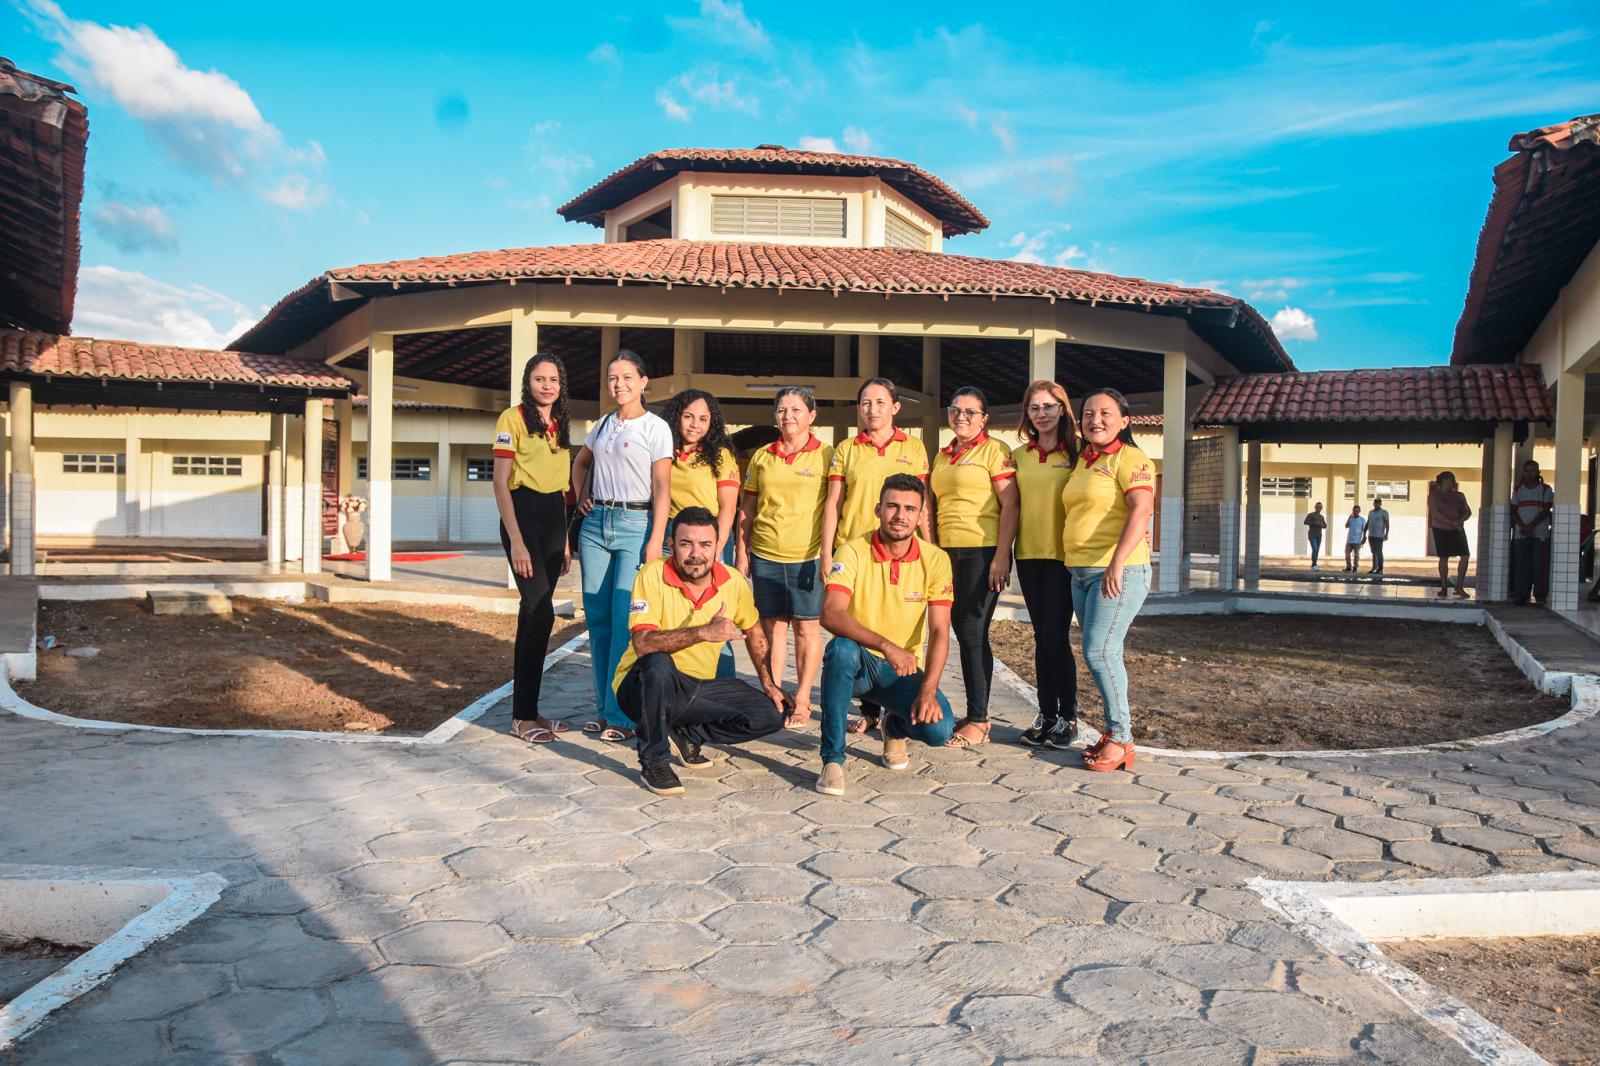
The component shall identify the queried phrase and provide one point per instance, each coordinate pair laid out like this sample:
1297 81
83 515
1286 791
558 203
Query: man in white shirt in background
1531 504
1377 533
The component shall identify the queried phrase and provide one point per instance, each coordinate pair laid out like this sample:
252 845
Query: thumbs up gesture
720 628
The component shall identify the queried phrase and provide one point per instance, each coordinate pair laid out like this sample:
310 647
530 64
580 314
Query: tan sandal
865 724
958 739
614 735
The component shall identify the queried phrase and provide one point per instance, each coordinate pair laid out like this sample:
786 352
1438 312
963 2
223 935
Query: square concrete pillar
1228 512
1174 439
311 486
1494 517
23 526
1564 590
277 431
841 355
132 476
441 482
933 418
610 345
380 457
1042 356
1252 517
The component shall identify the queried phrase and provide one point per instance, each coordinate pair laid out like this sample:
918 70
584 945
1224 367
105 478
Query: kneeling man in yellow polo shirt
886 593
685 609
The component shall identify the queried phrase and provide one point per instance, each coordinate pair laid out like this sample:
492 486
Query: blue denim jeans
1104 623
1315 540
850 671
610 552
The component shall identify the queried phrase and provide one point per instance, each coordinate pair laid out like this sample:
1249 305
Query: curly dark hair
716 438
530 410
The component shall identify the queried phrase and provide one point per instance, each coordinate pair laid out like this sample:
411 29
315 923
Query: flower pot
353 532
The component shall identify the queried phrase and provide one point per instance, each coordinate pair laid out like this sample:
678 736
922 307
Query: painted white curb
12 702
182 899
1343 919
1584 690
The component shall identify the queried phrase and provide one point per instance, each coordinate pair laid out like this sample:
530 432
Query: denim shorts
786 590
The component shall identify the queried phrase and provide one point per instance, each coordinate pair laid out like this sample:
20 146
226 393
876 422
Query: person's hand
926 709
719 629
1000 573
781 700
521 561
827 565
566 560
584 504
903 662
1111 583
741 563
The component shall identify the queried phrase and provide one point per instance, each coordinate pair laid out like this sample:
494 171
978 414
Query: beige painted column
131 495
1363 478
866 367
311 507
1228 513
841 355
23 527
380 456
610 344
1252 518
277 429
1564 590
1042 356
441 480
683 351
933 415
344 413
1174 438
1494 516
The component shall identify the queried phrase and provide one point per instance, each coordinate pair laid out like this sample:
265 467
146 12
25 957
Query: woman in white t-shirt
623 480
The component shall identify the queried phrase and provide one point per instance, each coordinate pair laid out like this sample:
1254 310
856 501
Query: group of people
890 552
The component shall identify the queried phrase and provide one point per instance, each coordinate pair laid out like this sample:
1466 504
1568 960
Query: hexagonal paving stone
992 813
1042 869
310 964
474 901
1185 838
178 986
444 943
892 940
1020 840
667 901
994 968
408 845
1281 859
1335 843
1130 993
253 1020
850 838
1279 1021
953 882
959 919
594 849
1065 903
916 851
1172 1042
493 864
762 923
1111 853
1137 886
354 1043
1176 922
528 808
542 968
684 835
856 866
858 901
691 866
656 945
768 852
536 918
876 995
757 883
1439 858
1031 1025
766 970
1209 967
500 1029
654 999
580 883
834 812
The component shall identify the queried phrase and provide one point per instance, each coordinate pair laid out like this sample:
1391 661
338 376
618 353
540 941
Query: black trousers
1047 590
542 519
1375 546
970 616
659 697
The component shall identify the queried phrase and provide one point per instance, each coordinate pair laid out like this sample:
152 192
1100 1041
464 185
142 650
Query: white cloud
126 305
670 107
718 93
1044 246
725 23
203 119
857 140
818 144
551 160
1004 134
968 115
1293 324
134 227
605 54
296 192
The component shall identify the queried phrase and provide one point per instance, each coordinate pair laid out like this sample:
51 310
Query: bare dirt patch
1543 990
326 667
24 963
1303 682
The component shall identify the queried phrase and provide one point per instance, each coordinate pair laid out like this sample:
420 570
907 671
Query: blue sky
1332 165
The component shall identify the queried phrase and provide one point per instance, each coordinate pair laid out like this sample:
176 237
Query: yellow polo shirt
1096 506
695 485
965 483
790 489
1040 478
662 601
863 467
537 461
891 596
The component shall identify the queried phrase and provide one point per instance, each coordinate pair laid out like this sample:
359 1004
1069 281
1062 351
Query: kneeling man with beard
686 607
886 594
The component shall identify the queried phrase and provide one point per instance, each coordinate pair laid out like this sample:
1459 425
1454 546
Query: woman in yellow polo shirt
704 472
860 466
1044 462
532 471
1105 534
780 539
975 519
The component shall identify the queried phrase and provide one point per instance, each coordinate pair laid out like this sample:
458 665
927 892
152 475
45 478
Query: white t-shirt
623 451
1357 528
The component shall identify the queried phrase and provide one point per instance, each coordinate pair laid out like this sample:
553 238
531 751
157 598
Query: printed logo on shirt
906 459
502 438
1065 464
638 606
915 596
1141 474
803 472
836 568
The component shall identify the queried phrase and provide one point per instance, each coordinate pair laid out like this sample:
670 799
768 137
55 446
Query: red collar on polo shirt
719 577
682 456
950 449
894 438
811 445
880 554
1044 456
1090 456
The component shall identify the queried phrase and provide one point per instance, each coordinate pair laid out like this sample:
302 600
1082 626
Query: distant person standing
1447 520
1355 532
1316 526
1532 502
1377 533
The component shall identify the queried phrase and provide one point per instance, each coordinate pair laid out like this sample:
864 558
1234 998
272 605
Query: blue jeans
1530 569
610 551
1104 623
850 671
1315 540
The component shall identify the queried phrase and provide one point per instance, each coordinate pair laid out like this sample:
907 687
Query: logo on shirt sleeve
1138 475
638 606
836 568
502 438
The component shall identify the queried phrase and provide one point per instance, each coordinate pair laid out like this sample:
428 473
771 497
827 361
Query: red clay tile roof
1544 218
933 195
1508 393
39 355
43 138
1229 324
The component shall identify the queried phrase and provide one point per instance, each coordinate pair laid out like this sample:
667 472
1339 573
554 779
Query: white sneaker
831 781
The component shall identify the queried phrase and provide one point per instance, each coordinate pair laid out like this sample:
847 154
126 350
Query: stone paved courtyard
483 901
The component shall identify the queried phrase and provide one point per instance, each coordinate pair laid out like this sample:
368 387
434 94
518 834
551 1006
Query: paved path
483 901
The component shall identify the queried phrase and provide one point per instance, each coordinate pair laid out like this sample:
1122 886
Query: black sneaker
1043 728
689 751
661 780
1062 737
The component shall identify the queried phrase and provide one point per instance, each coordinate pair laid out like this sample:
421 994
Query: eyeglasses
968 413
1043 408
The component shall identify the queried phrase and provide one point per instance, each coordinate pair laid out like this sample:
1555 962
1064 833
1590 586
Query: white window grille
777 216
208 465
480 469
87 463
900 232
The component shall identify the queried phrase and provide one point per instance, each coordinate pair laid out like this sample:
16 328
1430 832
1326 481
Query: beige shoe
831 781
894 753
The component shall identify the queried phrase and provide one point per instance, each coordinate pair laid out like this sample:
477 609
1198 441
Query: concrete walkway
483 901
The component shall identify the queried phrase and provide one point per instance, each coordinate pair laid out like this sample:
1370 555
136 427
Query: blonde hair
1067 431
